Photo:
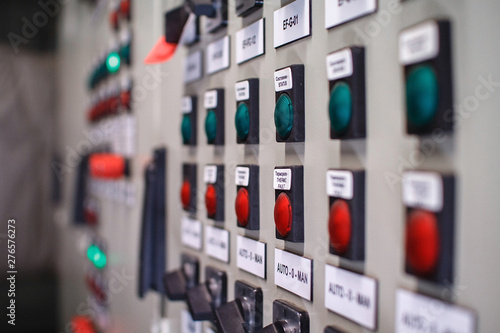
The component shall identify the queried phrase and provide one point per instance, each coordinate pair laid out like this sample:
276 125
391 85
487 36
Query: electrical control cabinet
416 93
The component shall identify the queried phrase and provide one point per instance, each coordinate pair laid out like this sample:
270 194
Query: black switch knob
178 282
244 314
287 318
204 298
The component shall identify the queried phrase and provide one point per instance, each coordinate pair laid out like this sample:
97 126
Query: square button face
189 120
347 104
188 188
247 197
289 108
246 118
246 7
346 222
429 228
428 76
214 195
214 120
289 204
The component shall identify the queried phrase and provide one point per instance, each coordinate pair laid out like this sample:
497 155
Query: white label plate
242 176
217 55
210 174
217 243
351 295
293 273
421 314
251 256
210 101
188 324
191 233
282 179
339 184
242 91
292 22
187 104
341 11
419 43
250 42
192 67
339 64
423 190
283 79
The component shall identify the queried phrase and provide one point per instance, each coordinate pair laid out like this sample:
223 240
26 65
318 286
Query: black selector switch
244 314
204 298
287 318
178 282
246 7
331 329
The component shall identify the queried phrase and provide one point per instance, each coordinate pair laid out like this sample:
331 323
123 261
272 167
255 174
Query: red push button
339 226
186 194
211 200
242 206
422 241
108 166
283 214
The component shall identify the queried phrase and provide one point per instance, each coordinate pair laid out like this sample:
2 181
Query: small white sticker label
250 42
242 91
341 11
339 64
251 256
419 43
282 179
242 176
210 101
187 104
210 174
192 67
293 273
217 243
418 314
283 79
351 295
191 233
423 190
292 22
188 324
217 55
339 184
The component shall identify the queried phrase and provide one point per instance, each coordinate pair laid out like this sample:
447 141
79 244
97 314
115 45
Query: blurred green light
96 256
113 62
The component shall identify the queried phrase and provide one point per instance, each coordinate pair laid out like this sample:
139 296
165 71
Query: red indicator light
242 206
186 194
422 241
339 226
211 200
107 166
283 214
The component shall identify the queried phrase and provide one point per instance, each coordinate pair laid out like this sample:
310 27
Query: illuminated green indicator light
283 116
340 107
242 121
113 62
211 126
422 95
96 256
186 129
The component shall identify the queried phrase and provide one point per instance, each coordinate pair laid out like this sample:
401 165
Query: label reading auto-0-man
293 273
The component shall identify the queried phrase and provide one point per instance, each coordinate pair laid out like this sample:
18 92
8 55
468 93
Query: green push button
242 121
211 126
340 107
113 62
283 116
422 95
186 128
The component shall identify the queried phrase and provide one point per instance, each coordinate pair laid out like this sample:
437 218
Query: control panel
330 166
